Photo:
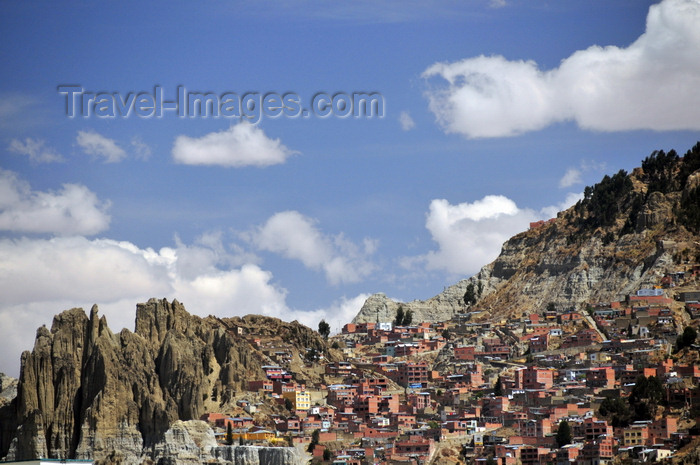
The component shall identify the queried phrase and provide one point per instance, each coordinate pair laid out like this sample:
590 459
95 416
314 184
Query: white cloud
98 145
35 150
241 145
72 210
296 236
652 84
470 235
552 210
42 277
78 269
571 177
497 3
406 121
141 149
336 315
574 175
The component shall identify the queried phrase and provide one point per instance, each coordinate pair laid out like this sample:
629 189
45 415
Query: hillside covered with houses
577 346
615 376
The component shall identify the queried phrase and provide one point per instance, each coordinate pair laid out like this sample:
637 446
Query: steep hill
627 231
85 392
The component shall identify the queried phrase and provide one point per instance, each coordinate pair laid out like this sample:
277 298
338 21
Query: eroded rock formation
87 393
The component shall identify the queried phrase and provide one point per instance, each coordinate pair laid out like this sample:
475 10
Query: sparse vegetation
324 329
398 320
403 318
686 339
616 410
602 203
689 212
659 171
646 395
498 388
469 295
563 434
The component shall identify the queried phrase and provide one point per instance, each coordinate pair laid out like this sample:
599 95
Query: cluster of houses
497 391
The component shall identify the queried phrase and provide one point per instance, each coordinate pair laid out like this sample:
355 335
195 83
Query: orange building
534 378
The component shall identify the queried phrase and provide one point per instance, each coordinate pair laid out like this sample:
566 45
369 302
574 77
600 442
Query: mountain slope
626 232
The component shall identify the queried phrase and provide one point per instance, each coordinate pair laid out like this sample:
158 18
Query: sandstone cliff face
192 443
87 393
568 261
8 389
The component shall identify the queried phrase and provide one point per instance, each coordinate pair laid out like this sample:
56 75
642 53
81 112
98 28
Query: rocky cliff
87 393
192 443
8 389
626 232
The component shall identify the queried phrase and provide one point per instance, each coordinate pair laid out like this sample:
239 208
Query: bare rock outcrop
8 389
87 393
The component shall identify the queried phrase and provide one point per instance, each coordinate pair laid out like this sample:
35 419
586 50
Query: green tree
646 395
398 320
660 171
687 338
314 440
229 434
563 434
324 329
446 334
616 410
327 455
288 404
408 317
498 388
469 295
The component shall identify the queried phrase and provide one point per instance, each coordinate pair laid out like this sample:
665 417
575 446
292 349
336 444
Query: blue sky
495 113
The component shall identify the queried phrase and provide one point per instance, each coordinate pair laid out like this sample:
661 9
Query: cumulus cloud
99 146
406 121
296 236
337 314
42 270
72 210
36 150
649 85
241 145
571 177
42 277
574 175
469 235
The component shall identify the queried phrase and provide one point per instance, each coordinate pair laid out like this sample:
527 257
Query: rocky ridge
87 393
8 389
586 254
